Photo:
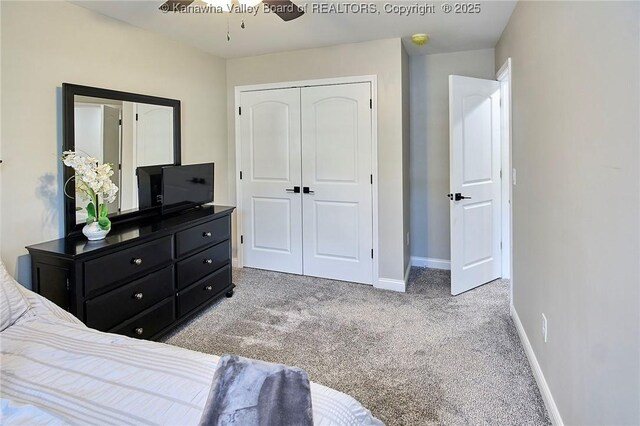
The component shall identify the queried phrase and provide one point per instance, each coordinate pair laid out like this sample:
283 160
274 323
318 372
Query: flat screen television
187 186
150 186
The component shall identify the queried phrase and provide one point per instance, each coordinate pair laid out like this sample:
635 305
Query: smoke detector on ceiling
420 39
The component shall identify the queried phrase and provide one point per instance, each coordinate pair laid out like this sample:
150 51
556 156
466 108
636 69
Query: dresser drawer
203 235
104 312
205 289
126 264
149 322
202 264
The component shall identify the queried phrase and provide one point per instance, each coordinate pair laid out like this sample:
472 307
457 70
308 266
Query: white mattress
54 370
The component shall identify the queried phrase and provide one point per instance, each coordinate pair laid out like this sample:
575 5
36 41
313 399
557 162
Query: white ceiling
267 33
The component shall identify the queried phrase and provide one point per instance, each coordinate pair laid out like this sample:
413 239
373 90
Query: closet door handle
295 189
457 197
306 190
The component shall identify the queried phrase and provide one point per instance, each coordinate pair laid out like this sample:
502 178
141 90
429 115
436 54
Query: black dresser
145 277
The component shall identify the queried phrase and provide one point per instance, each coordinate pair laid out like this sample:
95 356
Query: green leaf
104 223
91 212
104 210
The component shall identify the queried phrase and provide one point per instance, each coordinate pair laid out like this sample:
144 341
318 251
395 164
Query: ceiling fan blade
285 9
173 5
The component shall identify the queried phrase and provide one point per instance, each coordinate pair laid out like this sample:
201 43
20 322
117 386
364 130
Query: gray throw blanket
246 392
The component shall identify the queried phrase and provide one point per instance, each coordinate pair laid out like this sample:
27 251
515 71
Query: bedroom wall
576 206
430 146
41 49
382 58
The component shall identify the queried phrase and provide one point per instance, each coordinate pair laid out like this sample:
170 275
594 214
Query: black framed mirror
126 130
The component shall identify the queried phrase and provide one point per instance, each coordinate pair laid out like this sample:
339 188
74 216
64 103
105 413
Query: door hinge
136 116
120 122
68 285
240 174
372 253
370 103
500 174
241 239
239 110
500 245
371 179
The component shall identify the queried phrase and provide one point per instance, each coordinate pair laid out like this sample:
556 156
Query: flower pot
93 232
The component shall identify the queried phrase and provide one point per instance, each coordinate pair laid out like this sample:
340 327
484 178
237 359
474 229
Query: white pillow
13 304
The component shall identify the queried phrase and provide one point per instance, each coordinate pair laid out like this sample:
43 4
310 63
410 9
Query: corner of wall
406 157
547 397
1 191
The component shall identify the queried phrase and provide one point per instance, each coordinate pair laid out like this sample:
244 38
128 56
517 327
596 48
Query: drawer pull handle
136 261
138 296
208 288
206 234
139 331
208 261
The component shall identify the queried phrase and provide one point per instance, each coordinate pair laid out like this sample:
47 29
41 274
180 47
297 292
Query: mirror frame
69 91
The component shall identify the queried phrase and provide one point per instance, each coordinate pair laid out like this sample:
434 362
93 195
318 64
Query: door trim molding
373 80
504 78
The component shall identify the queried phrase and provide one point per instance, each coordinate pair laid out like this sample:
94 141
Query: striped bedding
54 370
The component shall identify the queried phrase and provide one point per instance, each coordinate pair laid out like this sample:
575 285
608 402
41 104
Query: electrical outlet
514 176
408 240
544 328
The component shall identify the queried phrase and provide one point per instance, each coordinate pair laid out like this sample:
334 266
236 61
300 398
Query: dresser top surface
126 232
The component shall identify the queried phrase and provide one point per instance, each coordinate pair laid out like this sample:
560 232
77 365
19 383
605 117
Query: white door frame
373 80
504 78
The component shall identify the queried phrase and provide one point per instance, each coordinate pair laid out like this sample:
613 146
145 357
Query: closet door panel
271 166
336 169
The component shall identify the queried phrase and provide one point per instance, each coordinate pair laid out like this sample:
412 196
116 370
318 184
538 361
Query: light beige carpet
418 358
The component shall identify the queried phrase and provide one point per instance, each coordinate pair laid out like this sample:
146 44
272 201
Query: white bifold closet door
315 140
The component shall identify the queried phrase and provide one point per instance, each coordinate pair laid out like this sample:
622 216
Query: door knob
136 261
457 197
306 190
295 189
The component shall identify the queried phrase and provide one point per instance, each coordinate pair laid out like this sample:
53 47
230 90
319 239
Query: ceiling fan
285 9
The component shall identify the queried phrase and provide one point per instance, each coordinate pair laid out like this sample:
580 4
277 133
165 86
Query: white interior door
474 121
336 168
154 135
270 159
111 147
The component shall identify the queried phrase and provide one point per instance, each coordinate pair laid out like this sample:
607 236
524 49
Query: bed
55 370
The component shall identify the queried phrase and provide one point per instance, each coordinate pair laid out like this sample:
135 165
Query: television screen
186 186
149 186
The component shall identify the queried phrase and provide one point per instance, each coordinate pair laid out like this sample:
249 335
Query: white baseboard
390 284
547 397
429 262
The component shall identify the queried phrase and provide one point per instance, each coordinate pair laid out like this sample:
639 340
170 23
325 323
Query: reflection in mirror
127 135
